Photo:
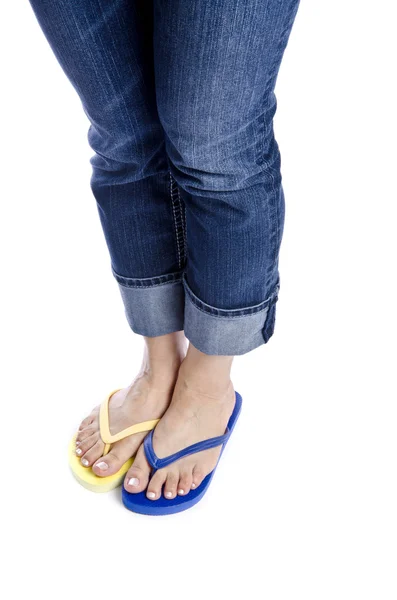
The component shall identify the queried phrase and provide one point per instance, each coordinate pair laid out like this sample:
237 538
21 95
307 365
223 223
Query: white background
304 502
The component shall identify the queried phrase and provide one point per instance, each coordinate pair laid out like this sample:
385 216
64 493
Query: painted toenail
77 443
181 492
102 465
193 485
168 495
133 481
84 462
79 451
151 495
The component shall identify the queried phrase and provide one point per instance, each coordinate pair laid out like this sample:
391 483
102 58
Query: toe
185 483
171 485
92 454
198 476
155 484
137 477
86 422
86 432
87 444
113 461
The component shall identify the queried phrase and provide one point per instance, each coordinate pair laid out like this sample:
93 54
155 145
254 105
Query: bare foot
202 403
146 398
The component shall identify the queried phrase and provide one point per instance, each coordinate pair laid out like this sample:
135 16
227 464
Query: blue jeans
186 172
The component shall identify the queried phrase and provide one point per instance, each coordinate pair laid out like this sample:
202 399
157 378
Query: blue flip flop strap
159 463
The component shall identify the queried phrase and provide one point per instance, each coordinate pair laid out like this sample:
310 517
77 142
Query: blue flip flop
139 503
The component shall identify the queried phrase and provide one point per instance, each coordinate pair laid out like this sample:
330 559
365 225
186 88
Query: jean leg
216 65
105 49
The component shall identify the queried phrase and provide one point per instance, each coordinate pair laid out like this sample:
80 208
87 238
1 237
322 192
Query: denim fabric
186 171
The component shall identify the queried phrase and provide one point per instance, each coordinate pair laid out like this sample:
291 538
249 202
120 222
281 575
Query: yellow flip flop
85 475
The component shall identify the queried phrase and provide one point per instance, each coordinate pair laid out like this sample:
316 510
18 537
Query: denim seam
229 313
174 215
274 226
183 213
178 222
228 316
183 228
147 287
147 282
268 168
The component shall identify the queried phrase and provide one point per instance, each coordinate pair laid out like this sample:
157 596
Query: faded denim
186 172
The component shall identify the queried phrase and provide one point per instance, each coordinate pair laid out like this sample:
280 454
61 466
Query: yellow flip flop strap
104 429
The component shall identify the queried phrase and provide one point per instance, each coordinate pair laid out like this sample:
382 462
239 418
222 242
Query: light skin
192 394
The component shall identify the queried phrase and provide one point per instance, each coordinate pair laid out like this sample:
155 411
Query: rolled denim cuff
228 332
153 306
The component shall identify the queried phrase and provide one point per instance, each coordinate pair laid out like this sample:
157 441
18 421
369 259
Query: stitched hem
147 281
229 313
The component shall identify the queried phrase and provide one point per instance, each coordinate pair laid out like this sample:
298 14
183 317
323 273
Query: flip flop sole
86 476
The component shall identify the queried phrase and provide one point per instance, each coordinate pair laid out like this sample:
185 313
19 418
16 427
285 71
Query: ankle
163 356
171 348
209 380
162 375
211 370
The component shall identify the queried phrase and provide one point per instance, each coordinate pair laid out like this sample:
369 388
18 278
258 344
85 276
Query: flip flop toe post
139 503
